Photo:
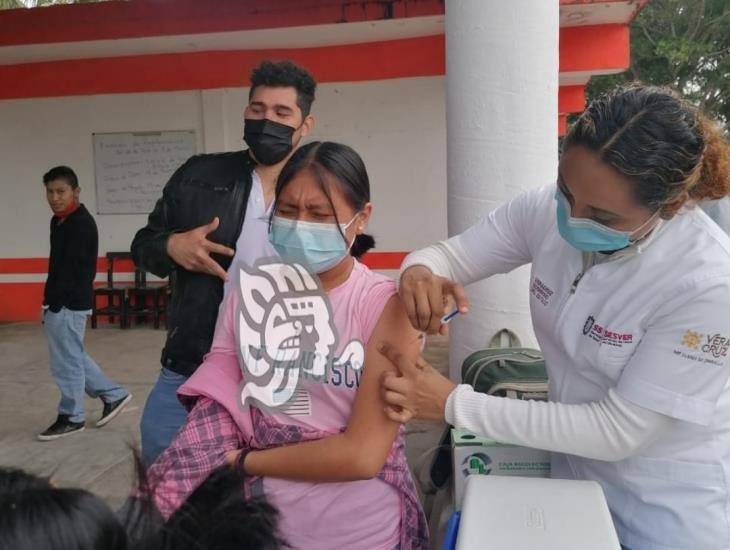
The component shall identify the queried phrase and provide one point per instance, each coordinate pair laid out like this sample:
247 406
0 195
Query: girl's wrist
241 460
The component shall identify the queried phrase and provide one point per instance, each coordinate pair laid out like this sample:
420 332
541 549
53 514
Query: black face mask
269 141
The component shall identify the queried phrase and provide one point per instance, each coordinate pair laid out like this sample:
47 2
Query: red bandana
66 213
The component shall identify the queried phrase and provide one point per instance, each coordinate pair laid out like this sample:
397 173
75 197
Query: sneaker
113 409
61 428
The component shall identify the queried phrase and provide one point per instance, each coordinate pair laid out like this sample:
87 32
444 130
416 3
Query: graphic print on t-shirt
285 328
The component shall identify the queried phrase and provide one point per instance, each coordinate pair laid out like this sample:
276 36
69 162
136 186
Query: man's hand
420 391
192 250
428 298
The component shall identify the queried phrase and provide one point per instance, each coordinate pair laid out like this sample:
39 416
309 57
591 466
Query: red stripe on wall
384 260
562 125
571 99
24 265
604 47
191 71
9 266
116 20
22 301
14 266
594 47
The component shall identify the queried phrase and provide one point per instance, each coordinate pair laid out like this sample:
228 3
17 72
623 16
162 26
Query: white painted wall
398 126
37 134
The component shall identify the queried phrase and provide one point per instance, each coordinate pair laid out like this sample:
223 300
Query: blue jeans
74 372
163 415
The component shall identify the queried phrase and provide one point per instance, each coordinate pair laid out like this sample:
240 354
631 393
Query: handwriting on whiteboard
132 168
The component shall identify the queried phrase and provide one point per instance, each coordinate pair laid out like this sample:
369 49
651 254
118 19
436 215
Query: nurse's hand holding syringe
445 320
428 298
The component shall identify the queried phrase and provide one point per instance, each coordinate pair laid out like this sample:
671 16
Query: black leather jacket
204 187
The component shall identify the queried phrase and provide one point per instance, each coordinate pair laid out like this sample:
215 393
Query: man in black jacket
213 208
67 302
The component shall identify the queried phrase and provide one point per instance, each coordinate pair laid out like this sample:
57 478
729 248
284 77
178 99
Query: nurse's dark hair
347 171
659 141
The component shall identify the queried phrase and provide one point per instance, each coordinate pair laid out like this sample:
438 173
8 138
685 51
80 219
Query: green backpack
507 370
504 369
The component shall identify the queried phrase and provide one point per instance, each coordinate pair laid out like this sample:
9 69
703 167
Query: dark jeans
163 415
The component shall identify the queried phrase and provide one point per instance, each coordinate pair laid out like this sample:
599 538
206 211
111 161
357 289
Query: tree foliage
684 44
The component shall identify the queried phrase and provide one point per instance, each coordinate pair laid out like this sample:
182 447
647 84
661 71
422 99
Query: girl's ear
365 214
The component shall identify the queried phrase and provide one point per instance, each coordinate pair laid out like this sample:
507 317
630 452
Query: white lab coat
653 323
719 212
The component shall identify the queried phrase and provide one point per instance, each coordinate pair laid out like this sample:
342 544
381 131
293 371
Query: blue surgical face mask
319 246
588 235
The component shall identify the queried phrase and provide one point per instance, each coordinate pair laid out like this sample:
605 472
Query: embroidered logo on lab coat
717 345
712 347
602 335
541 291
692 339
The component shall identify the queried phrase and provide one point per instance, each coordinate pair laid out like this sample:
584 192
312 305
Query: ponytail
361 245
714 177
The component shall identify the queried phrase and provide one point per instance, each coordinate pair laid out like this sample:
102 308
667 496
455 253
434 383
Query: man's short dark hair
61 173
285 74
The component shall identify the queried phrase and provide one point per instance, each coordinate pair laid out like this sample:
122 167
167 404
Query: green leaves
684 44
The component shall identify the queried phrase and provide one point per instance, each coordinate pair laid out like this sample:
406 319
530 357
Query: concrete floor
100 459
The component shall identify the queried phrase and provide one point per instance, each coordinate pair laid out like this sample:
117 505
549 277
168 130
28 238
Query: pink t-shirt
357 514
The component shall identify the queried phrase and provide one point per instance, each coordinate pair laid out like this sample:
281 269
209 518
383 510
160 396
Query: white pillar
502 138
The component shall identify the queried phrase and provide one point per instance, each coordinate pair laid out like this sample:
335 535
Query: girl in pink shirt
329 459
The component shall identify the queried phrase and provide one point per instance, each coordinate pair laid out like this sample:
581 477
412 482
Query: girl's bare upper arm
368 423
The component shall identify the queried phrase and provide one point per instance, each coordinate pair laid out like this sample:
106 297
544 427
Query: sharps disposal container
521 513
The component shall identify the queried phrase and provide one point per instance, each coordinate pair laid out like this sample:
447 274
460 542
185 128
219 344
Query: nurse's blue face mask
320 246
588 235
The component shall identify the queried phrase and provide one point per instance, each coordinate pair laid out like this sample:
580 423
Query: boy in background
67 302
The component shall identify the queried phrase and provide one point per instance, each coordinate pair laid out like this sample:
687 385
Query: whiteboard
131 168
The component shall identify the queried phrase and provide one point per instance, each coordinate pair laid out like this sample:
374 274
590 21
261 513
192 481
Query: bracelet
242 458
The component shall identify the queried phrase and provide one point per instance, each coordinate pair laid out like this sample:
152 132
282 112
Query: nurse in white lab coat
630 302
